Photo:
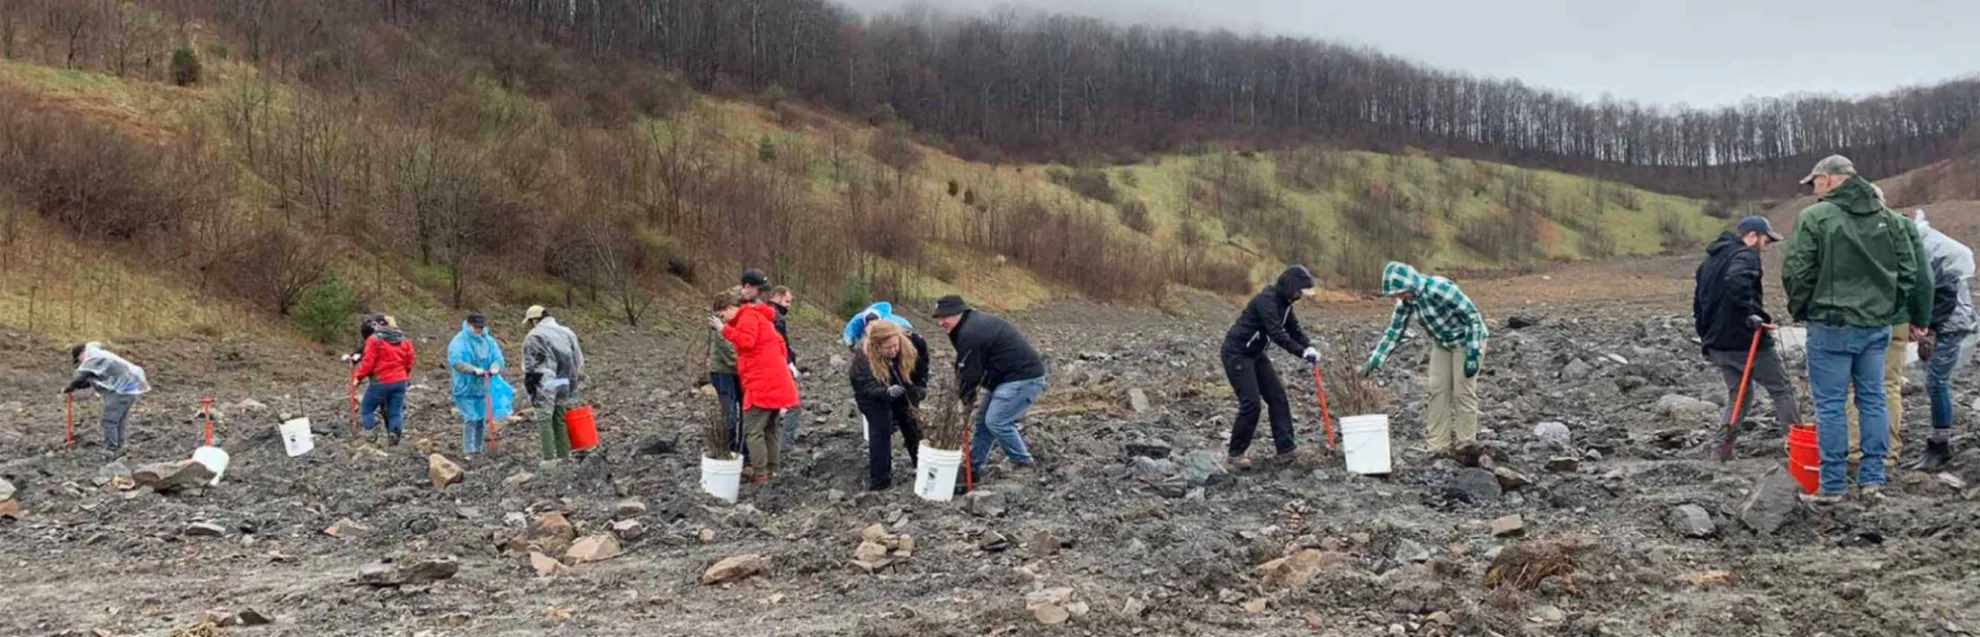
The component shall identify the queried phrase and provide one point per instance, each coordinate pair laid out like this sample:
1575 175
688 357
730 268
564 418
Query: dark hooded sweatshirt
1727 291
1269 316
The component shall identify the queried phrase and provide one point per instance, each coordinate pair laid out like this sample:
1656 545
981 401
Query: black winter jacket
1269 316
870 387
790 353
1728 291
990 352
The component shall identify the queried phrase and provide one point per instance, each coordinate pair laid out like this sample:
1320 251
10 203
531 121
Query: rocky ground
1599 511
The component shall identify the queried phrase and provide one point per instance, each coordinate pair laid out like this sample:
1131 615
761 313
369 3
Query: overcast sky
1696 52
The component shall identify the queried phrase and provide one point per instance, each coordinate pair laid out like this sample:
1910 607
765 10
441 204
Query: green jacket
1853 262
721 354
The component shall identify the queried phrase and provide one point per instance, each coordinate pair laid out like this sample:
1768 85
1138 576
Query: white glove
1311 355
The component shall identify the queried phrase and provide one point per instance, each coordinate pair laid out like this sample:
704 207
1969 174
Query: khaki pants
765 439
1893 394
1453 399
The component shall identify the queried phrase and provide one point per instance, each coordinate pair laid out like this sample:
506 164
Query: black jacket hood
1291 281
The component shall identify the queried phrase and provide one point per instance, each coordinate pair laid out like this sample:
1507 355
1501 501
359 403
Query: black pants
882 418
1252 378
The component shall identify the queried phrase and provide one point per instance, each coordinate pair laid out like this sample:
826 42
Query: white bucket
722 478
297 438
935 474
1365 441
215 460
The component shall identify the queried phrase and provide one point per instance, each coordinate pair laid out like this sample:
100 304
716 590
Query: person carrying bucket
388 361
991 355
1267 319
118 381
1954 328
768 387
553 369
1852 270
480 393
1729 314
1458 336
889 375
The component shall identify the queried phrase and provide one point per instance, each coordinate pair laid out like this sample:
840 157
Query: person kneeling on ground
1457 333
992 355
553 370
1268 318
388 361
1954 328
889 374
480 394
767 384
1728 313
118 381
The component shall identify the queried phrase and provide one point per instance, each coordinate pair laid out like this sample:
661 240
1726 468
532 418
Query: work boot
395 439
1240 463
1938 454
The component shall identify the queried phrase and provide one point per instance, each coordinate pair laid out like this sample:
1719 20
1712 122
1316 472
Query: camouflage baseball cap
1831 165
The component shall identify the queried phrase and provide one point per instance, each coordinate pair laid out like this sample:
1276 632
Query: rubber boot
1938 454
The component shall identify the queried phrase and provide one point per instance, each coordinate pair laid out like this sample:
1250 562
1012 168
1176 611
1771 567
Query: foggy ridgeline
476 139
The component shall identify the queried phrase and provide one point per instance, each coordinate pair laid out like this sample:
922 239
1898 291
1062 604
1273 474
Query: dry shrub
1134 215
950 422
90 177
1507 237
1077 248
1190 267
1526 565
1349 392
275 267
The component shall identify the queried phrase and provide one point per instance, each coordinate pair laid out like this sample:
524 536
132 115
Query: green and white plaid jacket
1447 314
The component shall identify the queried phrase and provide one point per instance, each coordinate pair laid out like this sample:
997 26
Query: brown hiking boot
1240 463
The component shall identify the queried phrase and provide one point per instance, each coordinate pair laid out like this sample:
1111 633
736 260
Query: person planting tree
1267 319
992 356
118 381
889 376
1458 335
767 384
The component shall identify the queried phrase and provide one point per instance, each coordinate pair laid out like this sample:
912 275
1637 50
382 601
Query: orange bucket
583 427
1804 457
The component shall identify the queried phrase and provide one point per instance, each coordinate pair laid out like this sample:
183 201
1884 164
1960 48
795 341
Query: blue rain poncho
856 328
466 354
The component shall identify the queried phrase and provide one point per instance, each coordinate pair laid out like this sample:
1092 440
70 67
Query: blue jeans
1839 357
474 436
997 421
390 396
1951 351
728 390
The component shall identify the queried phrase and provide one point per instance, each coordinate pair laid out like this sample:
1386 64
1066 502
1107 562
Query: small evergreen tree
185 67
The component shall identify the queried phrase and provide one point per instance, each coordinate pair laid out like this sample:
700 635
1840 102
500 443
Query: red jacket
388 360
760 359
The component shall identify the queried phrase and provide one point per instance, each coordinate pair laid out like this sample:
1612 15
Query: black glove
530 381
896 391
1754 322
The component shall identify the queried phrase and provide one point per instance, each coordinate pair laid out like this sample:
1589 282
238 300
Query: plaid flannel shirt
1447 314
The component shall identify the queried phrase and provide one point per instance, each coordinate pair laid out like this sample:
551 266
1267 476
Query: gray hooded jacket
1952 275
552 350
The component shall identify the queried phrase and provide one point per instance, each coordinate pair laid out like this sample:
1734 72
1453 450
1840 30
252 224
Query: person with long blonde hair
889 374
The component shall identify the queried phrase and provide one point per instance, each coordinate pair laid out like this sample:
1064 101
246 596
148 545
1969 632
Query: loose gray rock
1554 433
7 490
385 573
104 475
1155 448
1408 550
1476 486
1774 504
1564 464
1138 401
1685 411
630 507
1523 321
987 504
1203 468
205 529
1691 520
1149 469
1576 370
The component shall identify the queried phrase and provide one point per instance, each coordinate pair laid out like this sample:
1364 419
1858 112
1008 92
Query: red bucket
1804 457
583 426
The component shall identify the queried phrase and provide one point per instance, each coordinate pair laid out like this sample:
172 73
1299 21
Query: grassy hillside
247 193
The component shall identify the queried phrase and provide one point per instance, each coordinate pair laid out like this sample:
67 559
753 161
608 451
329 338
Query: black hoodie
990 352
1269 316
1728 291
783 329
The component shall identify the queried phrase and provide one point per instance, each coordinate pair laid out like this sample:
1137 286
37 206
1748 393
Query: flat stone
1476 486
172 477
1204 468
596 548
1138 401
1691 520
545 565
984 503
10 509
1554 433
1510 479
1044 545
1510 525
628 529
1147 469
1564 464
109 473
1154 448
205 529
734 568
252 617
1686 412
630 507
1774 503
